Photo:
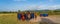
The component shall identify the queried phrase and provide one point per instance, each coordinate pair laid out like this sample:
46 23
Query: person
19 16
23 17
35 15
36 19
32 15
28 16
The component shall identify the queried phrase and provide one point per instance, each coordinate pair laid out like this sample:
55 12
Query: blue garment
32 15
44 15
19 16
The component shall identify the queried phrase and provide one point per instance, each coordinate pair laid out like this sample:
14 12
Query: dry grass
12 19
8 19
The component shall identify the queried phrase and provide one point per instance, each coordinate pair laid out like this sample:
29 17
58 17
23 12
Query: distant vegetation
8 12
50 12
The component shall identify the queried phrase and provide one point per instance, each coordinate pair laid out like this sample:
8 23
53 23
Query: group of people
27 16
34 17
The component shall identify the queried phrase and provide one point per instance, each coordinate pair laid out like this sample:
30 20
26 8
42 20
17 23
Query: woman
29 16
23 17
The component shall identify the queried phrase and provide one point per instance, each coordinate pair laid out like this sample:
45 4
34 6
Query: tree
19 11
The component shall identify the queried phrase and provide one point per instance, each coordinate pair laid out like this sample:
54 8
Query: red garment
23 18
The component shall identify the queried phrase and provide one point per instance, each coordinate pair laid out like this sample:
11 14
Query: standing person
19 16
23 17
28 15
32 15
35 15
36 19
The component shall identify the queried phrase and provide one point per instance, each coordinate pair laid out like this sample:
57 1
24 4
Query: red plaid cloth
23 18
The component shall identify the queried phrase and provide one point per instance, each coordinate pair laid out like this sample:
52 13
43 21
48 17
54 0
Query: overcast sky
14 5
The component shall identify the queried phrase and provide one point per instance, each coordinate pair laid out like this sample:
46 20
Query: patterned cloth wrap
43 15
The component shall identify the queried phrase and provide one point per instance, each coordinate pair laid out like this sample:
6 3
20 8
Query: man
32 15
35 18
19 16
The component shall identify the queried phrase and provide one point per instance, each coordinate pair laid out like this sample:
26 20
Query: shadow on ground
47 21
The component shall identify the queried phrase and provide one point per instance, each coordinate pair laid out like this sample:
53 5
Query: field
8 18
11 18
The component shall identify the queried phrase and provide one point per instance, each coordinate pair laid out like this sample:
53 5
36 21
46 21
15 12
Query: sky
15 5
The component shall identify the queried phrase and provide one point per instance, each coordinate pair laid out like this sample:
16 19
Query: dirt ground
50 19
